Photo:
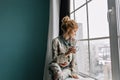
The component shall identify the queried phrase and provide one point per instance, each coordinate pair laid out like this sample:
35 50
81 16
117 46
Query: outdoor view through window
93 57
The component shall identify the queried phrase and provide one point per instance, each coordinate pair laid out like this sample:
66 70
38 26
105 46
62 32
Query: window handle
110 13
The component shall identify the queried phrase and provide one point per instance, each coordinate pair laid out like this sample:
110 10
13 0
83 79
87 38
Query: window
94 56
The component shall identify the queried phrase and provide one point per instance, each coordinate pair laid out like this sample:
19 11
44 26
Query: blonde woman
63 52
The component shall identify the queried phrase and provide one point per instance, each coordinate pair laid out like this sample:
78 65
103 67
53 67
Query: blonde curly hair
68 23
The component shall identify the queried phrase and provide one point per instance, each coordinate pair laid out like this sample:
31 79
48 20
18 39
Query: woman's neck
65 36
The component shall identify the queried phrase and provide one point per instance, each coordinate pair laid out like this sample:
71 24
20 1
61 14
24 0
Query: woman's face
72 33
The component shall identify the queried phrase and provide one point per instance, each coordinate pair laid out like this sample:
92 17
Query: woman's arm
71 50
74 73
73 64
55 49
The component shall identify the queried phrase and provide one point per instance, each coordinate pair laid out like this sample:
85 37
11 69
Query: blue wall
23 38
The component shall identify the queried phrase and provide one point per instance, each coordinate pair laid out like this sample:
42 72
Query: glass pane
72 16
82 57
81 18
98 23
71 5
100 60
79 3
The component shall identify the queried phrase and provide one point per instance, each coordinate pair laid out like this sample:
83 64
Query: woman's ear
69 30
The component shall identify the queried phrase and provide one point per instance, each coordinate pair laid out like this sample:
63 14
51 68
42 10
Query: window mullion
74 8
87 14
94 38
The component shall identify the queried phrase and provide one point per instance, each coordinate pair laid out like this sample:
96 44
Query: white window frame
113 16
114 25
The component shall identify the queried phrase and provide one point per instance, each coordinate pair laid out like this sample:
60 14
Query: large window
93 57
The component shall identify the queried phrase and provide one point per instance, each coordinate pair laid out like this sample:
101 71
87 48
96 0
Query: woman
63 52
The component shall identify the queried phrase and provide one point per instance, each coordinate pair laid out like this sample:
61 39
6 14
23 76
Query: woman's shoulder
57 39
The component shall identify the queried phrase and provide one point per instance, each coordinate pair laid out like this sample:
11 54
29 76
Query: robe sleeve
74 62
56 56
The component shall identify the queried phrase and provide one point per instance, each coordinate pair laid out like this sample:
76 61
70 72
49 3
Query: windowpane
98 24
100 60
81 18
79 3
71 5
83 57
72 16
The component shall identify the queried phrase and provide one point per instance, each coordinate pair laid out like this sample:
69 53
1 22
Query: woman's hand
72 50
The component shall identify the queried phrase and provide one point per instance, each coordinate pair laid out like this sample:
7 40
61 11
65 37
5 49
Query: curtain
52 32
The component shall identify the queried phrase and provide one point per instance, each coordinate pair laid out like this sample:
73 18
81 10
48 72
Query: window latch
110 14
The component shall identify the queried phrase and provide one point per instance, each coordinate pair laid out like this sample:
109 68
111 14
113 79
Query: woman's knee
59 75
55 68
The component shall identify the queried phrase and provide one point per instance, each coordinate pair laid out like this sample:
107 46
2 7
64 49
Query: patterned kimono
59 47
